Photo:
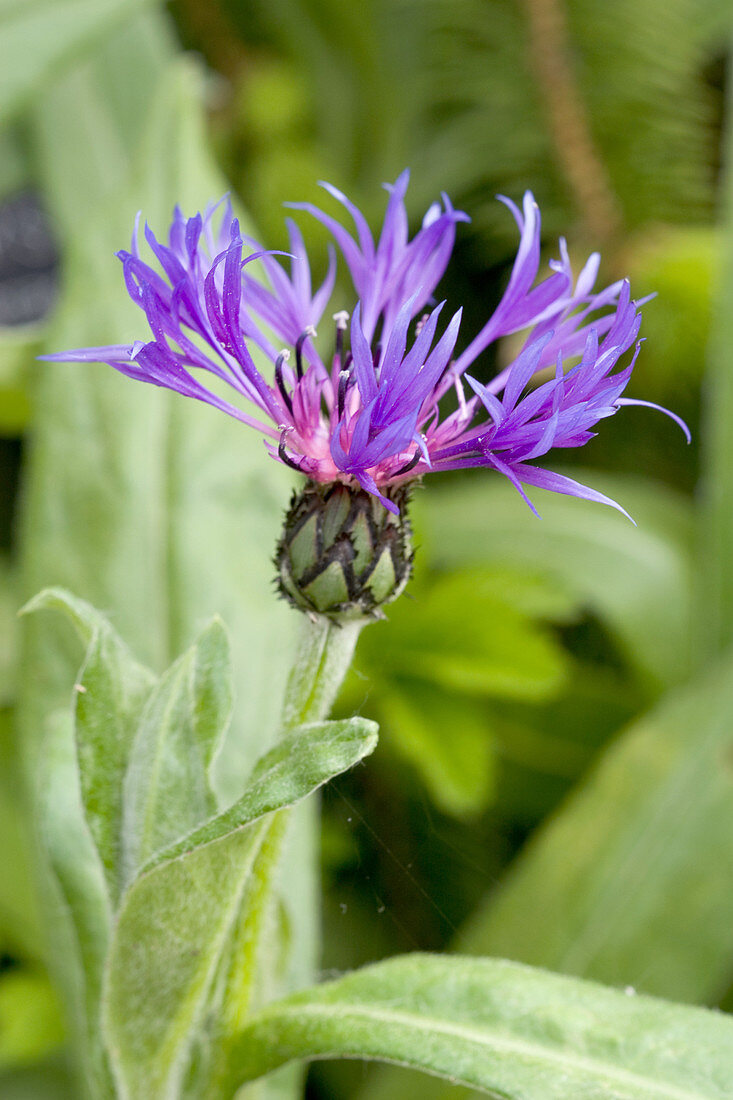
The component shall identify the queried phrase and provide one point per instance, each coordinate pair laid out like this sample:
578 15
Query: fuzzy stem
323 657
322 660
290 850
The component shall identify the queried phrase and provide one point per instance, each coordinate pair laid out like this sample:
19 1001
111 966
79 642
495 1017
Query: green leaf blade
172 930
300 763
515 658
32 1023
110 692
502 1028
132 497
447 740
167 789
197 905
80 902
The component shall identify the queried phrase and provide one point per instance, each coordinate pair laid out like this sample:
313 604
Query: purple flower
220 307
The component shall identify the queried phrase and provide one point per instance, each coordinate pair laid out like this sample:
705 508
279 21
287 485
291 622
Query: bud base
342 553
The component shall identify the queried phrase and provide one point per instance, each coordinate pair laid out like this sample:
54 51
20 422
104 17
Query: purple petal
659 408
559 483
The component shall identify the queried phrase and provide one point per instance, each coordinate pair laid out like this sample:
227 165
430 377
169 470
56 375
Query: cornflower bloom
369 414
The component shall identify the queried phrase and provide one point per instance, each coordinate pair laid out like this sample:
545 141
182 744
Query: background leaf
631 883
51 1080
146 506
447 740
21 917
460 96
136 492
463 655
17 346
456 642
56 32
638 580
30 1019
715 621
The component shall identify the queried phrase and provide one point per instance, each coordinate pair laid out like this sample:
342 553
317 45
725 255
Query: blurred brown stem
572 139
208 28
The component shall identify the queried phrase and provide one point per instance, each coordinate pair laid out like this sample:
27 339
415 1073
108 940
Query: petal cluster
235 325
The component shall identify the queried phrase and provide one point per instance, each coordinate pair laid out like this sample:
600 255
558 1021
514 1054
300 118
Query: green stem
323 657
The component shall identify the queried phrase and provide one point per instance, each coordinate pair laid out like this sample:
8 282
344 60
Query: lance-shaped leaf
78 908
167 789
503 1028
178 919
297 765
110 692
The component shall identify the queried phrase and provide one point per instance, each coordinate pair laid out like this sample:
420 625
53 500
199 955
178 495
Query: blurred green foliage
428 674
523 684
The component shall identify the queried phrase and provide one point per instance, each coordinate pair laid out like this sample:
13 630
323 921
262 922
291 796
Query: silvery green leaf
297 765
167 790
502 1028
109 695
133 496
158 509
77 901
179 920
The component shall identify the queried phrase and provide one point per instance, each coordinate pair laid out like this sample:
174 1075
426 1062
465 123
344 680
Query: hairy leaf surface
174 931
505 1029
167 787
109 695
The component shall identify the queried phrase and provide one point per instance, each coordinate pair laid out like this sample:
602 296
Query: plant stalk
290 853
324 655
